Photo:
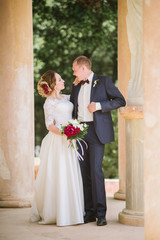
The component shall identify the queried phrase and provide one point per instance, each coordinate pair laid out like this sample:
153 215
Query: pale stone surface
16 98
132 112
151 79
135 182
134 32
111 186
133 213
124 74
131 219
14 225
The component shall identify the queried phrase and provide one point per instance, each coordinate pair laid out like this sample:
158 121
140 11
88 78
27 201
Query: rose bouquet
75 131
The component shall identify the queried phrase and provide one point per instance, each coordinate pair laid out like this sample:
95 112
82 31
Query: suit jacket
110 98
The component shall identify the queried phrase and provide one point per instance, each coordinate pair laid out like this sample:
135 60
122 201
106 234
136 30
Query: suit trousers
92 174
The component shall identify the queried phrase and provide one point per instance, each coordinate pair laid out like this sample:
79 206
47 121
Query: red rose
45 88
70 131
78 130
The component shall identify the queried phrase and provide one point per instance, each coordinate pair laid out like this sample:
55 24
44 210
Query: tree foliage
65 29
110 160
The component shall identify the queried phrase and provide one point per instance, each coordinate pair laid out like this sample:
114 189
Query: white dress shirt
84 100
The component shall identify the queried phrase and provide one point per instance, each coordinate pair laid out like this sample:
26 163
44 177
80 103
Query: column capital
132 112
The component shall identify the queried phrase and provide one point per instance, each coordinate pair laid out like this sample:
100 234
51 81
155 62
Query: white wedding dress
58 197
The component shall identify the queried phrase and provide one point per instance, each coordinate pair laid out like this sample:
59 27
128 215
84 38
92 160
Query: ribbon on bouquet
79 156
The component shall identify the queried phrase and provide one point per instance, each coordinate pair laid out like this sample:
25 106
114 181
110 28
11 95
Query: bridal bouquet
75 130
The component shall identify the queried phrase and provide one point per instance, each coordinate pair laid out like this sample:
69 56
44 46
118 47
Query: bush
110 160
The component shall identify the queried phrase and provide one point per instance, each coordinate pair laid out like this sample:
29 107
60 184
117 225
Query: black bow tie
84 81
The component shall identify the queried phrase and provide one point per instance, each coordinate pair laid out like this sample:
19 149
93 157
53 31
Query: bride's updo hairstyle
47 83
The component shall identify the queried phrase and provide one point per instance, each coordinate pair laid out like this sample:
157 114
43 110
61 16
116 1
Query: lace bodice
59 110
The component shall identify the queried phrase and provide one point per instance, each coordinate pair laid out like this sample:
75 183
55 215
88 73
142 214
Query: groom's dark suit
100 131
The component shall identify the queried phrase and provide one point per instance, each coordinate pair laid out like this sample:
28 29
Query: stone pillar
133 213
17 104
133 114
124 74
134 32
151 83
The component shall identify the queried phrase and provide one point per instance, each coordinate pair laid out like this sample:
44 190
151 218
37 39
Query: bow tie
84 81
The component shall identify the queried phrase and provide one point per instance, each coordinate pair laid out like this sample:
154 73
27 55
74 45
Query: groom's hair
83 60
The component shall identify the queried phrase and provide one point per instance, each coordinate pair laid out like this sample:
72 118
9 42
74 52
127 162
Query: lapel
77 89
95 77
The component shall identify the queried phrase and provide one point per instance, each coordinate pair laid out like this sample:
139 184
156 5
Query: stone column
134 32
17 105
151 83
124 74
133 115
133 213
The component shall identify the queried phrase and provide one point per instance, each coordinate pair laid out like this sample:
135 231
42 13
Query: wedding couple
68 191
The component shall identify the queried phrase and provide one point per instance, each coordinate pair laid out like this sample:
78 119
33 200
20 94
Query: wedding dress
58 197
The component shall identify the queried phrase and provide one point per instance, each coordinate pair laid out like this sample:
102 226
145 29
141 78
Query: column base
16 203
132 218
120 195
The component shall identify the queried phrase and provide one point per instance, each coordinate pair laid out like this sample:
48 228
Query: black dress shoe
88 219
101 221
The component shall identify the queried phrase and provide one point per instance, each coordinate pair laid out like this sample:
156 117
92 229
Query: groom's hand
92 107
76 81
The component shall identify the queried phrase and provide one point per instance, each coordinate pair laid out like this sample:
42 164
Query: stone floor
14 225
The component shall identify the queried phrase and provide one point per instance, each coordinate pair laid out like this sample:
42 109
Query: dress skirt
58 197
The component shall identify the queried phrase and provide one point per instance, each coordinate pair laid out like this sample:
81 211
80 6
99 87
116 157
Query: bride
58 195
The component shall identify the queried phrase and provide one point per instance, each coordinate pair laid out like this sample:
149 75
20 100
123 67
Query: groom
94 97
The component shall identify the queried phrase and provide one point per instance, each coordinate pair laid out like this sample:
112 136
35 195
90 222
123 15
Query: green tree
110 160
